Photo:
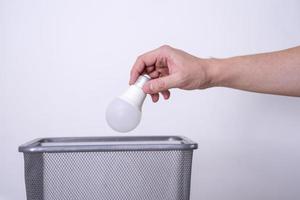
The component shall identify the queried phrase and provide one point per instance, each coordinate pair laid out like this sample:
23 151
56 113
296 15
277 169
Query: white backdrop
61 62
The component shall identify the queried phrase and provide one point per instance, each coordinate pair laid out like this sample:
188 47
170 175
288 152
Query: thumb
160 84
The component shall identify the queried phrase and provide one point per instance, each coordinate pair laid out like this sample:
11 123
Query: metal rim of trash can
156 143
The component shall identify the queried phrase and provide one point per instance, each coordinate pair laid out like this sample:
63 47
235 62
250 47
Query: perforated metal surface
113 175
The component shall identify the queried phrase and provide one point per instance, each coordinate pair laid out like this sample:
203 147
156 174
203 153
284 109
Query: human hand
171 68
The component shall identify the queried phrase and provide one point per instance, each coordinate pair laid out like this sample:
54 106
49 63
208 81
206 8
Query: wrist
212 70
218 72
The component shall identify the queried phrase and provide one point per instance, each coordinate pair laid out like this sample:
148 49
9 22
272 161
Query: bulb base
135 94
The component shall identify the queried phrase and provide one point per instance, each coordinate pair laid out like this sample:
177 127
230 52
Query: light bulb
124 113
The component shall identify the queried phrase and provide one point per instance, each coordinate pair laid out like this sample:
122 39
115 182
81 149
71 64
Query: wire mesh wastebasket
108 168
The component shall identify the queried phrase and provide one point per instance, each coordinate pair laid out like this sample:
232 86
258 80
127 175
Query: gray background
62 62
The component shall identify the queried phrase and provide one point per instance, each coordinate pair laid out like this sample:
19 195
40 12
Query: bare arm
273 73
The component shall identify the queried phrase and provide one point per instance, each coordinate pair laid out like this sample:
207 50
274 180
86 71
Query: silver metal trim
156 143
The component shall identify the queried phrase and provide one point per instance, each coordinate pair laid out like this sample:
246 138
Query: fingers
166 94
149 69
154 74
155 97
143 61
155 65
160 84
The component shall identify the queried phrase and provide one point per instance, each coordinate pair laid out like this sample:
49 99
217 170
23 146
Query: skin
272 73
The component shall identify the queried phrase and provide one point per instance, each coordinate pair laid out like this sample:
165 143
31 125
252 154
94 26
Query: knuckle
140 58
165 47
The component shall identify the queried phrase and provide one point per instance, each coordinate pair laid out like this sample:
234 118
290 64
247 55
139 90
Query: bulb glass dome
121 116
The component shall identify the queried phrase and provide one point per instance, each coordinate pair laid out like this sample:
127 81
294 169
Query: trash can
108 168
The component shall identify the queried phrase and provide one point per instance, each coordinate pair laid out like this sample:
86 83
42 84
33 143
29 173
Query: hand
170 68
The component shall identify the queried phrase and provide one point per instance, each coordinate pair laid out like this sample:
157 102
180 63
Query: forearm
273 73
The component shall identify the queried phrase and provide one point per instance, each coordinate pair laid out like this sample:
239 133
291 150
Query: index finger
146 60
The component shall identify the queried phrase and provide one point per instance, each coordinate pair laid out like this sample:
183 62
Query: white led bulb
124 113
